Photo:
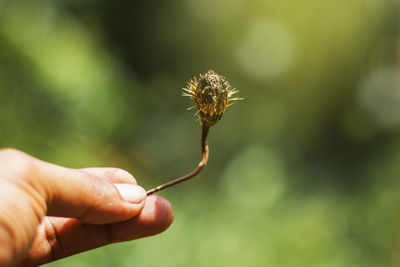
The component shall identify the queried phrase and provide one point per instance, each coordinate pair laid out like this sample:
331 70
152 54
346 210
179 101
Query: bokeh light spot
380 93
255 178
266 51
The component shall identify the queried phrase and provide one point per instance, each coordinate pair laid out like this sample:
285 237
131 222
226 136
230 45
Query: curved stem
202 163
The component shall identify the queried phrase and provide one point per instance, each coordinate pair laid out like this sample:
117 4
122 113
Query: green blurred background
303 172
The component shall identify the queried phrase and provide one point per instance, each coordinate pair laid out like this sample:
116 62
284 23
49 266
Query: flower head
212 94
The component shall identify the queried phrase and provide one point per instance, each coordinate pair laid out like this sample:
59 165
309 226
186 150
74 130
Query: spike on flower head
212 94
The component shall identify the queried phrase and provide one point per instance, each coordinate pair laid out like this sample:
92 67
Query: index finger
62 237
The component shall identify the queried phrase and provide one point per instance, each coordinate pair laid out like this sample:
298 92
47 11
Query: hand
94 207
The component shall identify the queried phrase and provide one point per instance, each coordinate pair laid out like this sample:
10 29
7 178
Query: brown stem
202 163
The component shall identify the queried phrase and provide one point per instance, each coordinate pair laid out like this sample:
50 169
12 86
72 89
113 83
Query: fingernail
131 193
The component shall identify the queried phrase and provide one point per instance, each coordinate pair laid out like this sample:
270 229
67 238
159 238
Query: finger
154 218
62 237
75 193
112 175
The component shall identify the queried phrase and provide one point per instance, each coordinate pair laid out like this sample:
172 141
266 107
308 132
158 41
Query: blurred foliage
303 172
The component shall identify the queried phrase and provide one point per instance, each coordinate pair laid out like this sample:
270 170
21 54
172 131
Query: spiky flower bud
212 94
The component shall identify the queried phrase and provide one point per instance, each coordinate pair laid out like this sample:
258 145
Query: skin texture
48 212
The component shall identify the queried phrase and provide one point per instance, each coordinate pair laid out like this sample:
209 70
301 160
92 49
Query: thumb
79 194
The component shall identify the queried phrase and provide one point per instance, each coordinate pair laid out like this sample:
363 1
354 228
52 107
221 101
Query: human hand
94 207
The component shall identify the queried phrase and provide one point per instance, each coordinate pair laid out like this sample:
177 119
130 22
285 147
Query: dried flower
212 94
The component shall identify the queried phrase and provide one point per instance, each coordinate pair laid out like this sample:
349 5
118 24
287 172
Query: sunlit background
304 172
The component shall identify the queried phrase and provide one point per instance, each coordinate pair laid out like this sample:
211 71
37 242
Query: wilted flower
212 94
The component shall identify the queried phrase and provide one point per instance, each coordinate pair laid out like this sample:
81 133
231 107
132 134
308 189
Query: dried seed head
212 94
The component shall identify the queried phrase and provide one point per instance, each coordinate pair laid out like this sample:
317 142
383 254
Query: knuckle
52 239
16 161
8 151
